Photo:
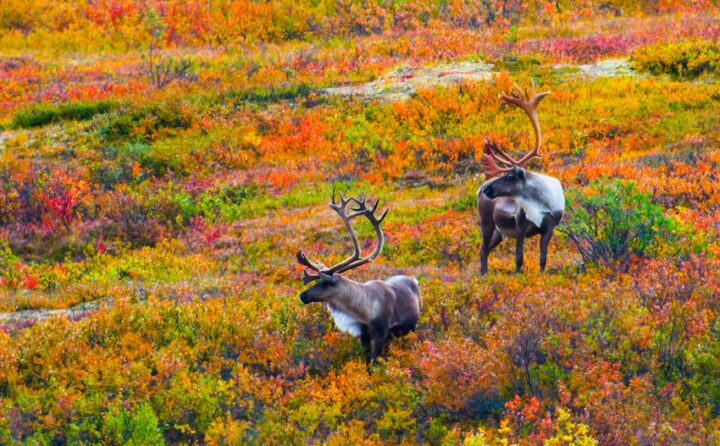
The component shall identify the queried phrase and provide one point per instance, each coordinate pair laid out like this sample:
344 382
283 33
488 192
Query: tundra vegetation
167 158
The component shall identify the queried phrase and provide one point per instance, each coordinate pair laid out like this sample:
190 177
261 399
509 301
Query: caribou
514 202
374 311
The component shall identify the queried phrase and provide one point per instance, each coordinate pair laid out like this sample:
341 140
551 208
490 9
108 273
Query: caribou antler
304 261
492 156
528 101
369 213
356 259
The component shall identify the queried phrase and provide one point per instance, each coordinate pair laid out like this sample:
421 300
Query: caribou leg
491 238
544 242
365 340
379 333
379 341
522 229
520 241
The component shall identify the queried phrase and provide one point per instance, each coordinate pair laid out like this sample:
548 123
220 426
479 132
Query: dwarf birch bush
613 222
688 59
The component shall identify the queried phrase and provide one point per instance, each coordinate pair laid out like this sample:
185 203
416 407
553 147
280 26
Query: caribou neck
351 298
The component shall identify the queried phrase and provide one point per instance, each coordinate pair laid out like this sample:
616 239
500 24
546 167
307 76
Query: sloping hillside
162 162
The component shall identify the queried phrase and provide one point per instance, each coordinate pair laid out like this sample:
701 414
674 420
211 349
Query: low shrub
146 123
613 222
273 94
162 71
687 59
226 204
120 427
43 114
9 272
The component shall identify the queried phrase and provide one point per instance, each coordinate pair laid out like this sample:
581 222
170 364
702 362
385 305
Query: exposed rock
26 317
4 136
604 68
401 83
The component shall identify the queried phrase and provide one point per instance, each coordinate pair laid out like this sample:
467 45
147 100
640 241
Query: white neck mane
344 322
547 197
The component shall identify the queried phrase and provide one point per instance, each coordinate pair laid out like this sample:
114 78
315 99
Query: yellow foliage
569 433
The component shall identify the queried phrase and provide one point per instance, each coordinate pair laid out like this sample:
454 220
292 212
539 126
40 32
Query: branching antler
495 162
496 159
304 261
369 213
356 259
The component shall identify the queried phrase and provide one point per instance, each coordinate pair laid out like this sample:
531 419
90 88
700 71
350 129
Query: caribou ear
519 172
329 278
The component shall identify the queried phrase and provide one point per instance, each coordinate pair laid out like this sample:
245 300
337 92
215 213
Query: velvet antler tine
303 260
492 155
